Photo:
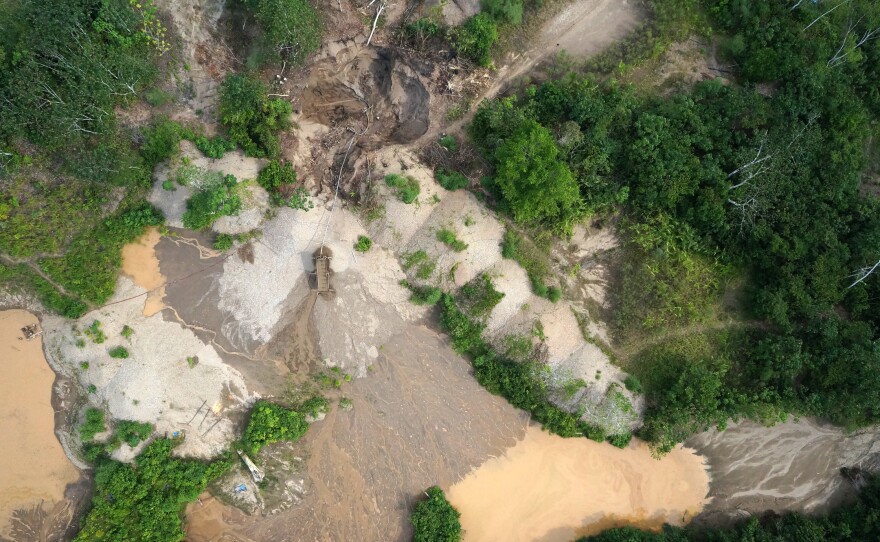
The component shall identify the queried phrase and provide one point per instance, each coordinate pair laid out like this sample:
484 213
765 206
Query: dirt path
34 471
583 29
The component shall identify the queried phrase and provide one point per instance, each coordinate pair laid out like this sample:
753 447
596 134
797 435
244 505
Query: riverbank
34 470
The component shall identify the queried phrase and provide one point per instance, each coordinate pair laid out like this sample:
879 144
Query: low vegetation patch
451 180
272 423
363 244
406 187
448 238
212 202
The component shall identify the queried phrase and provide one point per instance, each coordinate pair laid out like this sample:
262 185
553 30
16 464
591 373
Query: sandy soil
156 383
555 489
33 467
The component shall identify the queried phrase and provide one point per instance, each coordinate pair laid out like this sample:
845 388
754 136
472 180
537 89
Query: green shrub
95 333
279 180
425 295
253 120
448 238
478 297
434 519
132 433
451 180
450 143
118 352
126 332
620 441
553 293
207 205
168 184
504 11
272 423
214 147
291 29
161 141
93 424
314 406
633 384
474 39
223 242
363 244
407 187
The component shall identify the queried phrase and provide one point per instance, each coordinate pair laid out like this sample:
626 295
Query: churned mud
790 466
34 471
417 420
552 489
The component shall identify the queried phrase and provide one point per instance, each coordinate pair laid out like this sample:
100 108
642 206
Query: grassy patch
92 262
406 187
363 244
451 180
448 238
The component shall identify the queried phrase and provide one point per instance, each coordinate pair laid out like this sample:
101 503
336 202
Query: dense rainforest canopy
758 187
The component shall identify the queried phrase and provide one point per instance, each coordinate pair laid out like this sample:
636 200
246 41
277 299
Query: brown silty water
551 489
139 262
33 466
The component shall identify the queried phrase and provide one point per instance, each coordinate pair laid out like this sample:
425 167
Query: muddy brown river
33 467
554 489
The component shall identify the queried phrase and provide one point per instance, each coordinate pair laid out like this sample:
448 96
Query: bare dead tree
747 195
379 9
820 17
863 273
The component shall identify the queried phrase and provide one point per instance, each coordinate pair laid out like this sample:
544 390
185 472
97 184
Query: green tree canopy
252 118
435 519
536 184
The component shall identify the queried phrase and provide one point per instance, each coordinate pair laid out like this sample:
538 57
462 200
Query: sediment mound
375 89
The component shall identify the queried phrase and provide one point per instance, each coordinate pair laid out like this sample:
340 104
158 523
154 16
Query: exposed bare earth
366 466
